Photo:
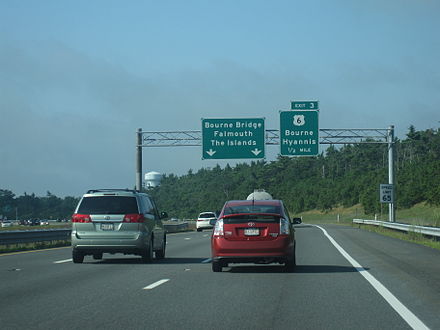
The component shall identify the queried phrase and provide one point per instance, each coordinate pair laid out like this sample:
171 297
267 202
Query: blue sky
78 78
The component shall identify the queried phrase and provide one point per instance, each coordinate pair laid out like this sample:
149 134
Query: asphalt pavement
45 290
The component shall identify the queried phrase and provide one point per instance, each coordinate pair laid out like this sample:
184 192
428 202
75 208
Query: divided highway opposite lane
44 289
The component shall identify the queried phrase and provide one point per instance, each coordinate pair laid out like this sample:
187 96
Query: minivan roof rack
91 191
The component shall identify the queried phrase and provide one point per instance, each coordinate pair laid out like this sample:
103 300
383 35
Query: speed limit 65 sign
386 193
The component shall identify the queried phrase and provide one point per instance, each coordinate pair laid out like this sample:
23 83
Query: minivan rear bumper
113 244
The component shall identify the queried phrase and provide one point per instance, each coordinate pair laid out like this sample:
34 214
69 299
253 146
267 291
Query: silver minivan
117 221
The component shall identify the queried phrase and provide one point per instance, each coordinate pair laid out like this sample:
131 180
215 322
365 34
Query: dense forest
344 176
34 207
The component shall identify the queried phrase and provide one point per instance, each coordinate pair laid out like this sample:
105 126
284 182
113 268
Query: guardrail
430 231
33 236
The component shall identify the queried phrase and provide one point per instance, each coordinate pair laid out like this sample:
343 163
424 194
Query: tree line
345 176
29 206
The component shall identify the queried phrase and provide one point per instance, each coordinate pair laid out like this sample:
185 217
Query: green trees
33 207
343 176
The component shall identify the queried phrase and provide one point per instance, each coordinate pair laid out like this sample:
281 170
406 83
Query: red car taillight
81 218
284 227
134 218
218 228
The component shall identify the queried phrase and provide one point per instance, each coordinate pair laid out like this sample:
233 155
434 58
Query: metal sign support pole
139 160
391 208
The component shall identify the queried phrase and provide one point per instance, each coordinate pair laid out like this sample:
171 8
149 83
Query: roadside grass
410 236
52 226
32 246
421 214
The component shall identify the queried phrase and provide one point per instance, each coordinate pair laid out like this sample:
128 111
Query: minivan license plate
251 231
106 226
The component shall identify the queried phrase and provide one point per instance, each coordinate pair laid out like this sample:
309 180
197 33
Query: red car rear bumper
279 249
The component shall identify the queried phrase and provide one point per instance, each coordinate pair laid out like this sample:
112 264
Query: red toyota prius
253 231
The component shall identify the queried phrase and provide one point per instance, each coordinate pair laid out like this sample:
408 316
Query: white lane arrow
211 152
256 151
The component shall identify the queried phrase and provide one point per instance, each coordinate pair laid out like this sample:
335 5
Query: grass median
32 246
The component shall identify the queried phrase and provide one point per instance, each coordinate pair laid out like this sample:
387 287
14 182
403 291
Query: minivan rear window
108 205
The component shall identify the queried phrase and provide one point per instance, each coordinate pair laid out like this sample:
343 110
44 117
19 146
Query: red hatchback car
253 231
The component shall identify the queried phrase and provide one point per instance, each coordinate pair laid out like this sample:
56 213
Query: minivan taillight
218 228
134 218
284 227
81 218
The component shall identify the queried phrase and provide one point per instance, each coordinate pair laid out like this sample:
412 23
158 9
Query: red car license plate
251 231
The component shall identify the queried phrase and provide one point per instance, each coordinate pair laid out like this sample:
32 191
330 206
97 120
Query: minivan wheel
97 256
77 257
216 266
147 254
161 253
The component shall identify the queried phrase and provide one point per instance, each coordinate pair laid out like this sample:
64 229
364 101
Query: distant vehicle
174 219
6 223
44 222
203 220
259 194
33 222
254 231
117 221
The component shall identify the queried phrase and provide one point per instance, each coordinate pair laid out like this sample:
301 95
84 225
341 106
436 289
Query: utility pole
391 206
139 160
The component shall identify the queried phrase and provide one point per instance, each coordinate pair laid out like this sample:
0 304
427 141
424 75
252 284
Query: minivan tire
161 253
147 254
77 257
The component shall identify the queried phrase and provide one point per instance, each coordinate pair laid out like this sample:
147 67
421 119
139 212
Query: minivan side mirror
163 215
296 221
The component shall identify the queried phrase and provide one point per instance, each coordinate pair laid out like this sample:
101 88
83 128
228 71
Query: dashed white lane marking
206 261
156 284
412 320
187 238
62 261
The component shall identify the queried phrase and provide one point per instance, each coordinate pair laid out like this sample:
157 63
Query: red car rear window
251 208
243 218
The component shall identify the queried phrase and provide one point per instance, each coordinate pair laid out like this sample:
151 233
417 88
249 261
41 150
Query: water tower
152 179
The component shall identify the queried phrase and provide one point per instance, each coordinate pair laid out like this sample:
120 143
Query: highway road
346 278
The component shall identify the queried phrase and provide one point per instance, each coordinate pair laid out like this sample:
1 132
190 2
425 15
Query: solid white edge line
409 317
206 261
156 284
62 261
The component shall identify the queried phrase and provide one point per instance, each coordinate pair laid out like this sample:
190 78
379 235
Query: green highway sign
299 133
304 105
233 138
